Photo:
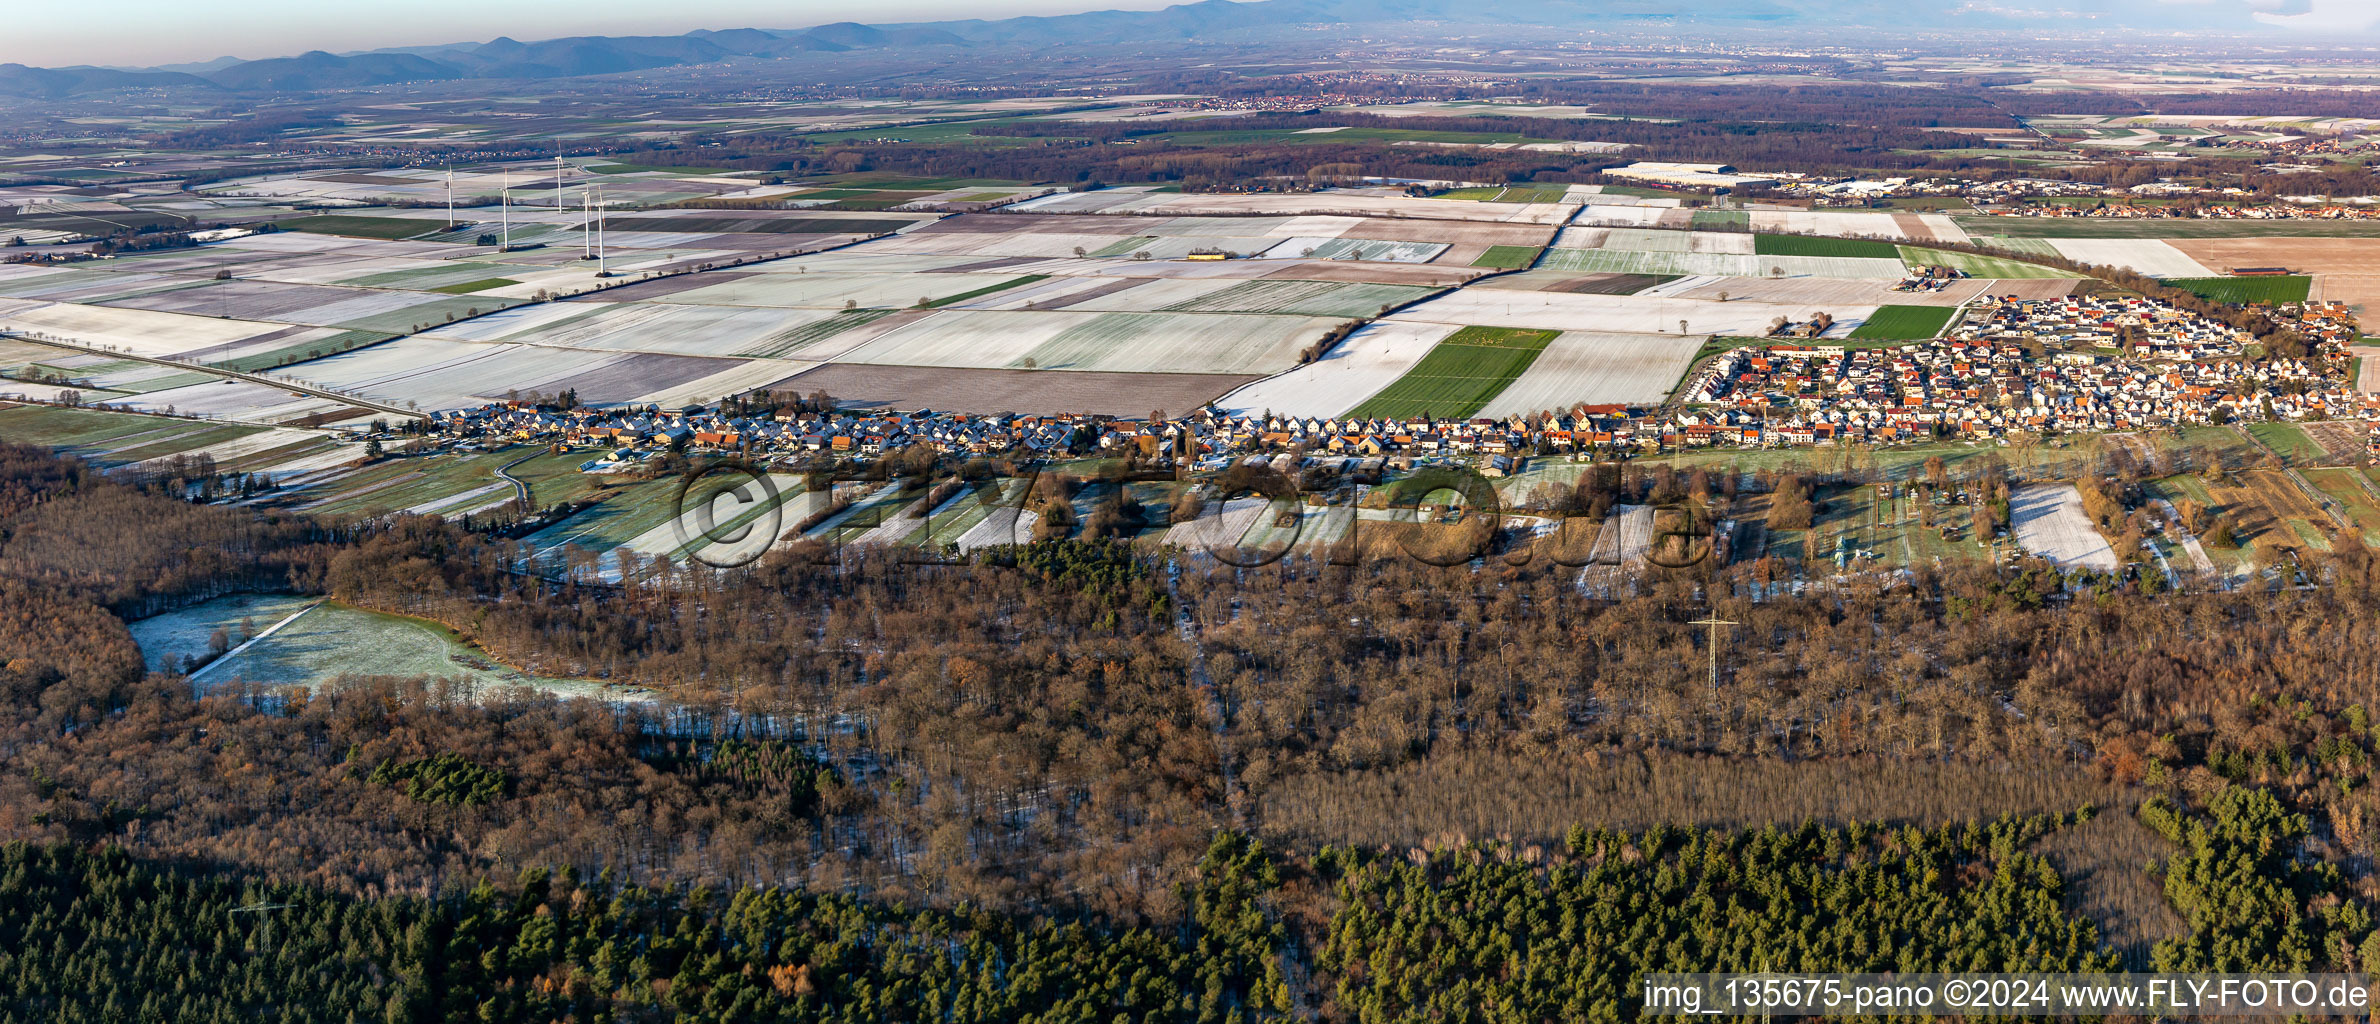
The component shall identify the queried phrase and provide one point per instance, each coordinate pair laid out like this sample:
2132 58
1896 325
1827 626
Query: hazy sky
55 33
51 33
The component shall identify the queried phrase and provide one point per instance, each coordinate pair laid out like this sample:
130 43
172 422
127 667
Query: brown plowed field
2034 288
1459 233
1040 223
2345 269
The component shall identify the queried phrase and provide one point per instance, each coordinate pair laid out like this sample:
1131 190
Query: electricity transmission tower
1714 621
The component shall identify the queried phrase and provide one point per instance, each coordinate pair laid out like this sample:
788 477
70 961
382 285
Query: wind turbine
450 195
557 184
600 209
504 202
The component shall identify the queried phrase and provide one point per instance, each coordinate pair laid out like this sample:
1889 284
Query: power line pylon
1714 621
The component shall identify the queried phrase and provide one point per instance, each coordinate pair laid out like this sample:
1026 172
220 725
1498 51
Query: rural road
519 485
252 378
2173 521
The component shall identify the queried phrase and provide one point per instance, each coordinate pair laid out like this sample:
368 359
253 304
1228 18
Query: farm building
1692 175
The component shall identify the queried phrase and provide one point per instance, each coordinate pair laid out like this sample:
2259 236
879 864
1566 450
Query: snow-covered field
1368 360
1630 314
1597 369
2049 521
2149 256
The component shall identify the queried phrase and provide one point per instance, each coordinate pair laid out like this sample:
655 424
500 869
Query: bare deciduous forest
1058 742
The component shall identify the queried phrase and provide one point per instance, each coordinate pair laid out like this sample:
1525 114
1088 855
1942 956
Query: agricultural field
864 386
1832 292
2344 269
453 483
1859 224
1208 343
97 435
1904 323
2341 440
1802 245
1627 314
2354 494
2258 507
442 373
1355 250
2246 290
1580 284
1506 257
1719 264
2294 520
137 332
1655 240
1672 264
1510 194
2143 255
1463 372
1972 265
391 228
1579 367
1342 202
2289 440
1356 368
1310 298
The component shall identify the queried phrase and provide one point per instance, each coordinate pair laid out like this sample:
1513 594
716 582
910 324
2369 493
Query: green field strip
298 352
186 443
1016 282
384 228
1126 247
1488 193
467 287
615 521
164 382
700 539
2028 246
69 428
1507 257
1304 298
1904 323
1980 266
554 477
2290 440
1803 245
793 339
1460 374
2245 290
2342 487
1722 220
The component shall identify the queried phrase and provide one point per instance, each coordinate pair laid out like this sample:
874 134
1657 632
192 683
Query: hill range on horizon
1215 22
